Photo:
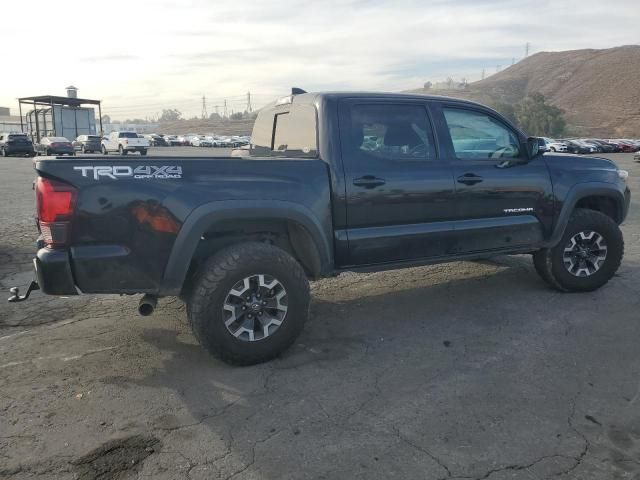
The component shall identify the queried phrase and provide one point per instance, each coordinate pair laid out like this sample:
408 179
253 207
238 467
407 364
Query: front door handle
469 179
368 181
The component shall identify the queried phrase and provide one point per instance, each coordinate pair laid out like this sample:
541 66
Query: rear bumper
19 150
53 271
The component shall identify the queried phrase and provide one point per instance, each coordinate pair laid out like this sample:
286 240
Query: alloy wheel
585 253
255 307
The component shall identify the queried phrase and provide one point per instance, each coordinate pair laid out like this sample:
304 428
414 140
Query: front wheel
104 150
143 152
4 152
249 303
586 257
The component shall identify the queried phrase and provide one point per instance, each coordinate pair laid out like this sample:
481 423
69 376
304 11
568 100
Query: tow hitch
15 292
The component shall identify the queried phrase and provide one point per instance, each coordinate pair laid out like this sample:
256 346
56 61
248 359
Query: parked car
124 142
556 145
186 228
578 146
624 146
550 145
87 143
156 140
55 146
16 144
172 140
220 141
201 141
603 147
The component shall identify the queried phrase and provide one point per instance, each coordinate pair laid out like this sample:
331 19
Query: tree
427 85
236 116
538 118
106 119
533 115
170 115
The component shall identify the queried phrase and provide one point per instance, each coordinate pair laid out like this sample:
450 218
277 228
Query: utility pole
204 108
217 112
249 109
483 74
526 49
225 108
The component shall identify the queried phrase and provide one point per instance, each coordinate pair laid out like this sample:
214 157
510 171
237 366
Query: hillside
599 90
219 127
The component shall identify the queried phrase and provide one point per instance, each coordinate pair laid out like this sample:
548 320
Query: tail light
55 204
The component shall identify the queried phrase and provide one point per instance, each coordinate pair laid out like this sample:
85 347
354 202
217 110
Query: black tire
4 152
143 152
217 278
48 152
550 264
83 150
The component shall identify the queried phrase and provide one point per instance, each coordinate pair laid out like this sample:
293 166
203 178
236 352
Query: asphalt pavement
471 370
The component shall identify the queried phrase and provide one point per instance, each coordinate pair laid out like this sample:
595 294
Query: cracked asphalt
470 370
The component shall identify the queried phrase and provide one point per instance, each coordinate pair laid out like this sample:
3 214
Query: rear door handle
368 181
469 179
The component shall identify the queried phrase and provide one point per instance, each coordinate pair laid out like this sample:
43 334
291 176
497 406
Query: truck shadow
388 353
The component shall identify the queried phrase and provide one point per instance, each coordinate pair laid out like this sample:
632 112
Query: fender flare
574 195
207 215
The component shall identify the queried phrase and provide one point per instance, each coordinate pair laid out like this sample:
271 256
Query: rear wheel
587 256
143 152
121 150
83 150
248 303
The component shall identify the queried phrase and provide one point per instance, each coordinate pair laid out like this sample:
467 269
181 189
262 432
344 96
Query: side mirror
533 149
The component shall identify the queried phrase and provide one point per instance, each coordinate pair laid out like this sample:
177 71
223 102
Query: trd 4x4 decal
124 171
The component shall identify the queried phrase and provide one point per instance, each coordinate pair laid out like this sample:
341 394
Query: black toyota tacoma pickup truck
333 182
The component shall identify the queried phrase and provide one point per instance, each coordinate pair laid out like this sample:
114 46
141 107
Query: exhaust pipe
147 305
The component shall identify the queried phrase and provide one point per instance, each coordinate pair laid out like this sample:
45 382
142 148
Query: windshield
19 138
128 135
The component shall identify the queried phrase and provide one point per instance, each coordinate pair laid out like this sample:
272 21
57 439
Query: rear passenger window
476 135
388 132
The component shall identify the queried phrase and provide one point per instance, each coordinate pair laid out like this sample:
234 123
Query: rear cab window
128 135
286 131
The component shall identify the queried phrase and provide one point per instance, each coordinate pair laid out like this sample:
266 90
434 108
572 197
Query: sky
141 56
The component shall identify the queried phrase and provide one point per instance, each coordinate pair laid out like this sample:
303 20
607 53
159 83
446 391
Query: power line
204 108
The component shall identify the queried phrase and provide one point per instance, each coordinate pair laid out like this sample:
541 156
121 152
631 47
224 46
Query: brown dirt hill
219 127
599 90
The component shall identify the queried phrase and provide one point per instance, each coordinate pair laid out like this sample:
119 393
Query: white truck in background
124 142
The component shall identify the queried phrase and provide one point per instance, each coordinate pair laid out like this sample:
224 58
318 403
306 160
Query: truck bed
130 214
